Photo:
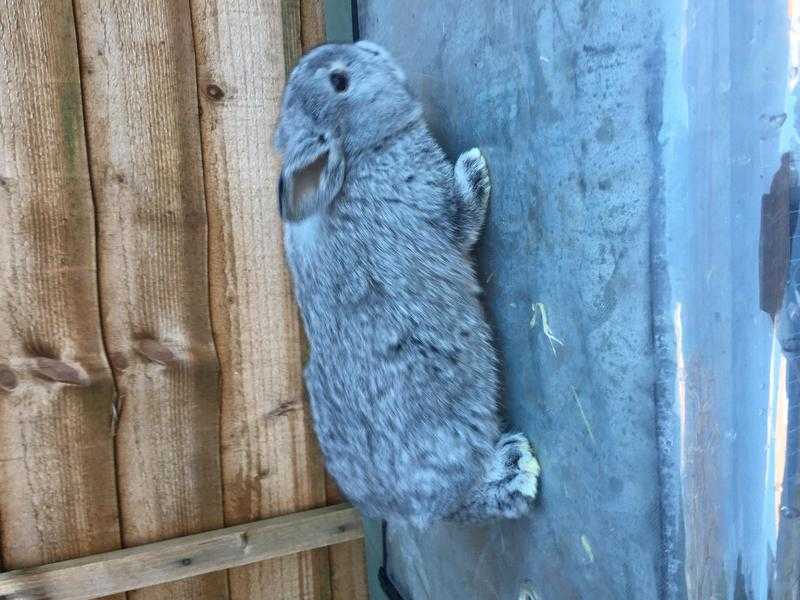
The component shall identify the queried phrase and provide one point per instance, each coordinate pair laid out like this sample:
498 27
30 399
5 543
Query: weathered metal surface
559 98
630 146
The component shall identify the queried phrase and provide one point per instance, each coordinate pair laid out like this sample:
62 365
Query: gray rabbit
378 228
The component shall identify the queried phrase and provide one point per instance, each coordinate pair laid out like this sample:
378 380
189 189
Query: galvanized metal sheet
646 316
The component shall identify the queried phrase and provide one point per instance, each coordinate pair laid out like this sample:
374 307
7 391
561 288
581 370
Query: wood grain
292 32
139 81
189 556
58 495
312 23
271 465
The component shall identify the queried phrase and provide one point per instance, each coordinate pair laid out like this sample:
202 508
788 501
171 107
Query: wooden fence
150 350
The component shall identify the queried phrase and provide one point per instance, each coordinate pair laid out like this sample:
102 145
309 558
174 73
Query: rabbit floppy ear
310 183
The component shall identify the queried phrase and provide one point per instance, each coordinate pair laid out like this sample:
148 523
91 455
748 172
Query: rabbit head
340 100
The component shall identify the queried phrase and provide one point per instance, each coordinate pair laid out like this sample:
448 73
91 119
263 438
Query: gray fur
378 227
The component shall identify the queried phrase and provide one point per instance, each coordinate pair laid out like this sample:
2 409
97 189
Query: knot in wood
8 379
156 352
59 371
214 92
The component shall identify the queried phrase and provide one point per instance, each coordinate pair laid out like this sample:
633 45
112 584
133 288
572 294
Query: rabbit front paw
473 188
522 467
472 176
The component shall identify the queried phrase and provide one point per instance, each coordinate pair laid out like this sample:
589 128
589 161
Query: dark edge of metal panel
387 585
354 19
672 584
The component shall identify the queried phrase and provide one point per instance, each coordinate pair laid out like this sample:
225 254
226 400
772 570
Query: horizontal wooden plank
171 560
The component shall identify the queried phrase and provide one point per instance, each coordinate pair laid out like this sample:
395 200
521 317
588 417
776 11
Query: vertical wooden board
144 150
57 486
347 560
270 461
312 19
291 19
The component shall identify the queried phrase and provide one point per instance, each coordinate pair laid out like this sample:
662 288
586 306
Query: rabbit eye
339 81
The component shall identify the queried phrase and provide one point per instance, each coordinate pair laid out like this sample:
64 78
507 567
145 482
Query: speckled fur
403 374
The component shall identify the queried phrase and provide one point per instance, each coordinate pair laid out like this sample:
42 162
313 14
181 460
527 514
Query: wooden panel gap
116 406
214 334
141 113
